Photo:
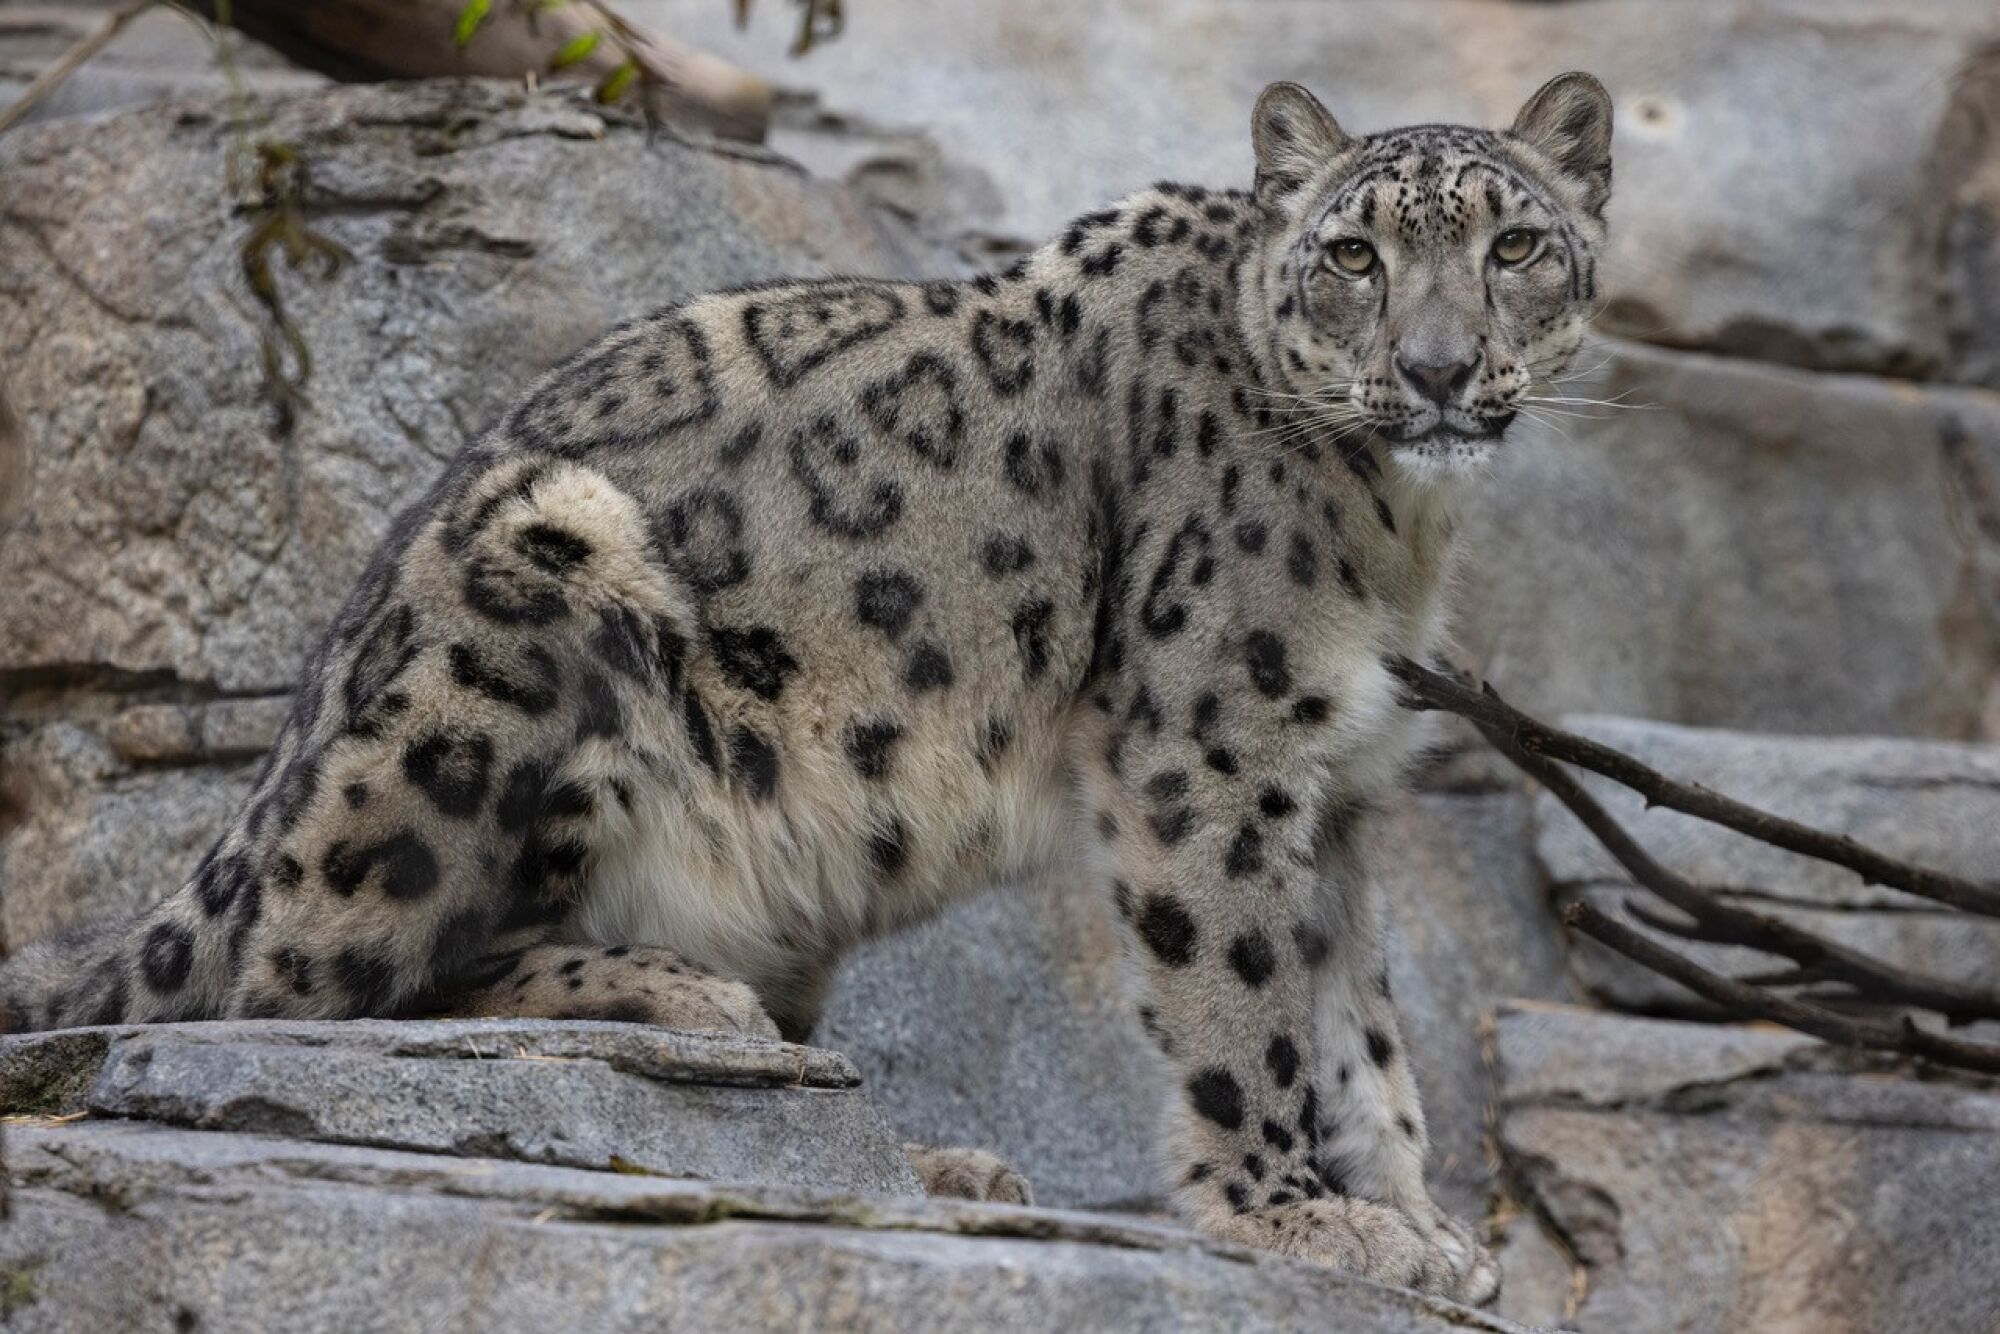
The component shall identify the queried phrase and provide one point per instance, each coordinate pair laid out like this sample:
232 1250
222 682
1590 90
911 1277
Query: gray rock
1718 1179
1934 803
1753 214
1966 172
583 1095
227 1233
1738 545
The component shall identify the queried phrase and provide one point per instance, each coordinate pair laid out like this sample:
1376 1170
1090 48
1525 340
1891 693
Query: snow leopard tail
74 977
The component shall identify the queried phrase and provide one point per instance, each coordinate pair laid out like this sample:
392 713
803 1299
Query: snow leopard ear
1294 137
1569 122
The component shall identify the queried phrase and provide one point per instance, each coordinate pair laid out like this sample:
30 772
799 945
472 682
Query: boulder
1739 545
1719 1178
1932 803
1755 213
592 1095
265 1224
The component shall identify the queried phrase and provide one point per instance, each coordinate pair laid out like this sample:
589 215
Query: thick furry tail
77 976
170 963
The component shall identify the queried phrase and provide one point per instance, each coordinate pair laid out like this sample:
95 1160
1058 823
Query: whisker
1332 394
1575 402
1534 416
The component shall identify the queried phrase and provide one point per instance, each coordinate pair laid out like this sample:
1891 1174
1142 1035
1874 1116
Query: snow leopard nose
1441 380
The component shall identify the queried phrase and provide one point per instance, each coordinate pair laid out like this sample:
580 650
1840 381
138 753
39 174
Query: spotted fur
778 619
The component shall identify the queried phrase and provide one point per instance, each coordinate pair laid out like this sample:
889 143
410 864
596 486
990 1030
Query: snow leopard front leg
1374 1126
1209 811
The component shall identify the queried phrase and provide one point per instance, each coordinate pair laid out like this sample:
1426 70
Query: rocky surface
295 1232
1754 213
1738 545
593 1095
1722 1178
1934 803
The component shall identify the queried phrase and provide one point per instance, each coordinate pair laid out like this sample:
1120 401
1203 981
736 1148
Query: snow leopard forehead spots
1439 188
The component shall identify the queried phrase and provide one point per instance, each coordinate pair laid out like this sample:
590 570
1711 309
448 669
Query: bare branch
1534 747
1495 717
66 64
1722 923
1750 1002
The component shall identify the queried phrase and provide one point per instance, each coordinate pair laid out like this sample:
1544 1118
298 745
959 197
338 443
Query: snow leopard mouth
1447 437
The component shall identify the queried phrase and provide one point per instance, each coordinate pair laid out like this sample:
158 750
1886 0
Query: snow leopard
781 618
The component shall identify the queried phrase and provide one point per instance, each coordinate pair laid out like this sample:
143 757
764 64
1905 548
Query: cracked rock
1721 1178
268 1225
590 1095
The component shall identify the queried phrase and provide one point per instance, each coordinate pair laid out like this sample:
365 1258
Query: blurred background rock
1774 566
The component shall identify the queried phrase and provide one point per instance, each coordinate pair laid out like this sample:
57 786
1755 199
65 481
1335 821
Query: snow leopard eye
1515 245
1352 256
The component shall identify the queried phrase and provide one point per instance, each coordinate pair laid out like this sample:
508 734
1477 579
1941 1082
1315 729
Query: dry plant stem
66 64
1742 999
1487 711
1721 923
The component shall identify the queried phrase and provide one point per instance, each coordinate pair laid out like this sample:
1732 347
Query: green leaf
576 48
469 19
613 85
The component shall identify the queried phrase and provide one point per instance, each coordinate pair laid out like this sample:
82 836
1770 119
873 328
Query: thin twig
1486 710
1721 923
1752 1002
1534 747
66 64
